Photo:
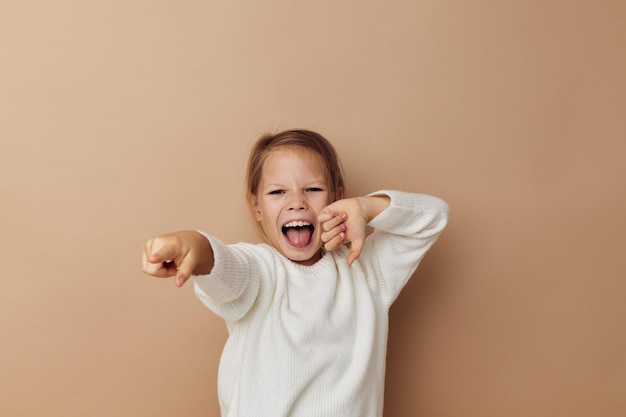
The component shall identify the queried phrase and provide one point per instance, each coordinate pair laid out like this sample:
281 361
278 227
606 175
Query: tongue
299 236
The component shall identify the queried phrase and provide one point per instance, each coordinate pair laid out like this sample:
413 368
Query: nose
297 202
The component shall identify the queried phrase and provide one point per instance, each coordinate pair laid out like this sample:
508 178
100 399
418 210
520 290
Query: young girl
307 315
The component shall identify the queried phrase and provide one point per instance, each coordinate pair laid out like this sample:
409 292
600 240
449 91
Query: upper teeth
297 224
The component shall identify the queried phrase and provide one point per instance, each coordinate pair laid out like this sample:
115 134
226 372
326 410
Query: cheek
266 212
272 234
323 201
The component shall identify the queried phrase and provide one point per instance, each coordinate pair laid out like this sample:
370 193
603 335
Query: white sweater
308 341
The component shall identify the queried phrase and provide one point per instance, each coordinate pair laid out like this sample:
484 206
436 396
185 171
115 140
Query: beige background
120 120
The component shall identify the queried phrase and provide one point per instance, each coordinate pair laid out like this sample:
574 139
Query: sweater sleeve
231 288
403 233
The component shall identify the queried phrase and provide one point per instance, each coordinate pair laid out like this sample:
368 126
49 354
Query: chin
307 257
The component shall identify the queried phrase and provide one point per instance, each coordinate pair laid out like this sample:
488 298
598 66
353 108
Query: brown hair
305 139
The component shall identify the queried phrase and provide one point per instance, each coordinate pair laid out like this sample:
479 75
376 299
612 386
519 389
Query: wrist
373 205
204 251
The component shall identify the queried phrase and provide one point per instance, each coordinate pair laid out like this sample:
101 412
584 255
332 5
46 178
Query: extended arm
179 255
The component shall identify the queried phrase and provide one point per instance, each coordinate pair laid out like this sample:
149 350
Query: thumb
355 250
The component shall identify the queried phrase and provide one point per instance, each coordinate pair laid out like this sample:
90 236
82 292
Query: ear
340 193
253 201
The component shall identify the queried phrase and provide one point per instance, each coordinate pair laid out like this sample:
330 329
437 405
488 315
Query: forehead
287 159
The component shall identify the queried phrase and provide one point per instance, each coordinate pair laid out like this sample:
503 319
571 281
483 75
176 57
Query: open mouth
298 233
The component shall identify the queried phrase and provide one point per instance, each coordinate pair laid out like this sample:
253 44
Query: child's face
292 191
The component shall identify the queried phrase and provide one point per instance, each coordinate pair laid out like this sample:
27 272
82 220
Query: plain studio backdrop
121 120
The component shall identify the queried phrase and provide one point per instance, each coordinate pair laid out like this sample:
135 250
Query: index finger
334 221
158 254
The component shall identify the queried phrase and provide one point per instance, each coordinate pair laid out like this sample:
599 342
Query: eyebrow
315 183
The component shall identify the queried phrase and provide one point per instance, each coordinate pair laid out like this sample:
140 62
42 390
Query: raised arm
346 221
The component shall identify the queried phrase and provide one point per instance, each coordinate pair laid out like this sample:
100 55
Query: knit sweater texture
311 340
